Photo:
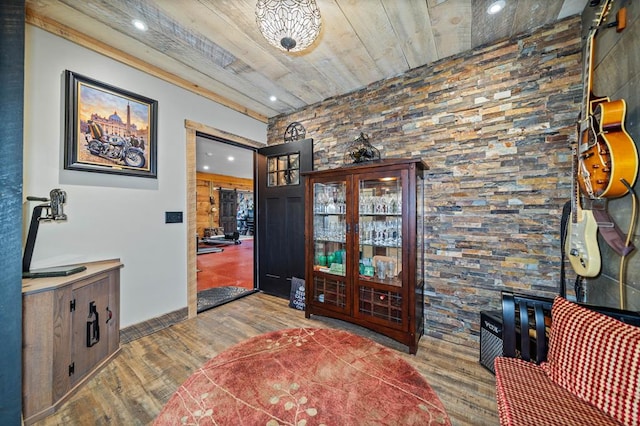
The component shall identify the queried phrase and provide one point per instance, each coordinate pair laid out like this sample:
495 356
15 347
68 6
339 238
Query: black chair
523 319
526 321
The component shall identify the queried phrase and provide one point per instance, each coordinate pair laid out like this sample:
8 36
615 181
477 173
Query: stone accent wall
494 125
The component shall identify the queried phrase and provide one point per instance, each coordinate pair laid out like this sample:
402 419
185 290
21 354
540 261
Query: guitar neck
575 189
588 85
588 68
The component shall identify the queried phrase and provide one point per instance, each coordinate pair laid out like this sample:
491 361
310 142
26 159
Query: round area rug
305 376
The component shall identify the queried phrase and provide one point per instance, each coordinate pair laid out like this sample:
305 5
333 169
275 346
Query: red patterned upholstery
591 376
526 396
596 358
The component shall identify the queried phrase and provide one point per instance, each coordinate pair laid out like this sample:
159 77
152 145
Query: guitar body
581 247
610 155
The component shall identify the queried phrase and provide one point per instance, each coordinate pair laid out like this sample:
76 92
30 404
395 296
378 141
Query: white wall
115 216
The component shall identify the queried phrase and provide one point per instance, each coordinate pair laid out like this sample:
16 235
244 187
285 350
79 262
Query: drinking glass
381 269
391 269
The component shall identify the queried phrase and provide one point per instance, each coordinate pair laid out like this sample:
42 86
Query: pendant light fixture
289 25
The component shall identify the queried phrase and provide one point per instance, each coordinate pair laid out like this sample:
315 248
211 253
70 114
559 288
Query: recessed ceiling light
495 7
230 158
139 25
209 154
273 98
205 167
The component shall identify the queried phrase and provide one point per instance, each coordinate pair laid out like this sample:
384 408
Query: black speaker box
490 338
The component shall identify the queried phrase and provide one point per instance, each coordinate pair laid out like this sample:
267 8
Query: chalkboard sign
296 297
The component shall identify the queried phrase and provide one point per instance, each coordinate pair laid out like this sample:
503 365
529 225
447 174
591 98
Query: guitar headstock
602 15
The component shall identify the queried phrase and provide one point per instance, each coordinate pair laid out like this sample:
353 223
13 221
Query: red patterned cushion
526 396
596 358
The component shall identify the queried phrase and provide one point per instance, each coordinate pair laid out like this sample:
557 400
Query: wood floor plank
132 389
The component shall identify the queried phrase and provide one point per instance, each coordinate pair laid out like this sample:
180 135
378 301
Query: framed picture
109 130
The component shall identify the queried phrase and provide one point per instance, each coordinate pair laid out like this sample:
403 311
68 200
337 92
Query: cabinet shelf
394 282
325 271
330 240
381 214
370 244
377 238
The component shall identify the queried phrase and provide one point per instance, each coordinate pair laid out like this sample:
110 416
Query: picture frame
108 129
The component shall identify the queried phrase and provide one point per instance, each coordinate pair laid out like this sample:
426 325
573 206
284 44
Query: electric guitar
581 245
607 154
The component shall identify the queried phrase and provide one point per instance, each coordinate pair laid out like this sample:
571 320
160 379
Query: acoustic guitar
581 245
607 154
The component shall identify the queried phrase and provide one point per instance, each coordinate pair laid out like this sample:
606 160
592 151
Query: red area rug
307 377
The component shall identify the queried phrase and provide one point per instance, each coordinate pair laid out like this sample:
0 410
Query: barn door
228 213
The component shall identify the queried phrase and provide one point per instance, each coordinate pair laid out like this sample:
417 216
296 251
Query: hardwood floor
132 389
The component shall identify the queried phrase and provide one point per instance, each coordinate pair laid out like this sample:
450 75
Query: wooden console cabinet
71 328
364 233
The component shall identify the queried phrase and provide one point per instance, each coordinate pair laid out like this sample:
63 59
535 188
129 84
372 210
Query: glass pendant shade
289 25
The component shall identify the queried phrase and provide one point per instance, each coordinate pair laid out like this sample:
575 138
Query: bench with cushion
589 375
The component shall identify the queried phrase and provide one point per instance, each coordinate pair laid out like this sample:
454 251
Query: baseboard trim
152 325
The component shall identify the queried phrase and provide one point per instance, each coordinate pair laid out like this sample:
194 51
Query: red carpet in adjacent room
305 376
231 267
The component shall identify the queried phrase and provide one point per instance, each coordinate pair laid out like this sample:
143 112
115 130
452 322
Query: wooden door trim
192 128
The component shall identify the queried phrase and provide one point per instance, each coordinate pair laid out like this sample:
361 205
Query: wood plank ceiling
213 47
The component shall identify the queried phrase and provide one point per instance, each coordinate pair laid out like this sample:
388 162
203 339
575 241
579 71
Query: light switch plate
173 217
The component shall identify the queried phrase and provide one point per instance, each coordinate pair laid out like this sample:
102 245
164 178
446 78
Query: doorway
195 233
225 257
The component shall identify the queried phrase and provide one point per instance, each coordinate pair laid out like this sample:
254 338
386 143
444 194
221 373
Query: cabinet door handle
93 325
272 276
109 315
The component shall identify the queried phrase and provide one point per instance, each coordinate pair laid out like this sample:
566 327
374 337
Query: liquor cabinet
364 242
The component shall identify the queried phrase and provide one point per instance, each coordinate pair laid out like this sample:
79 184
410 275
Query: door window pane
271 162
283 170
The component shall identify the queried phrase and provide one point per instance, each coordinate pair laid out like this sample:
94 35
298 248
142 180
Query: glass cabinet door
380 227
330 243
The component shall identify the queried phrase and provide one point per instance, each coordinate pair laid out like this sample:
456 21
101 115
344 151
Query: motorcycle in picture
113 147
